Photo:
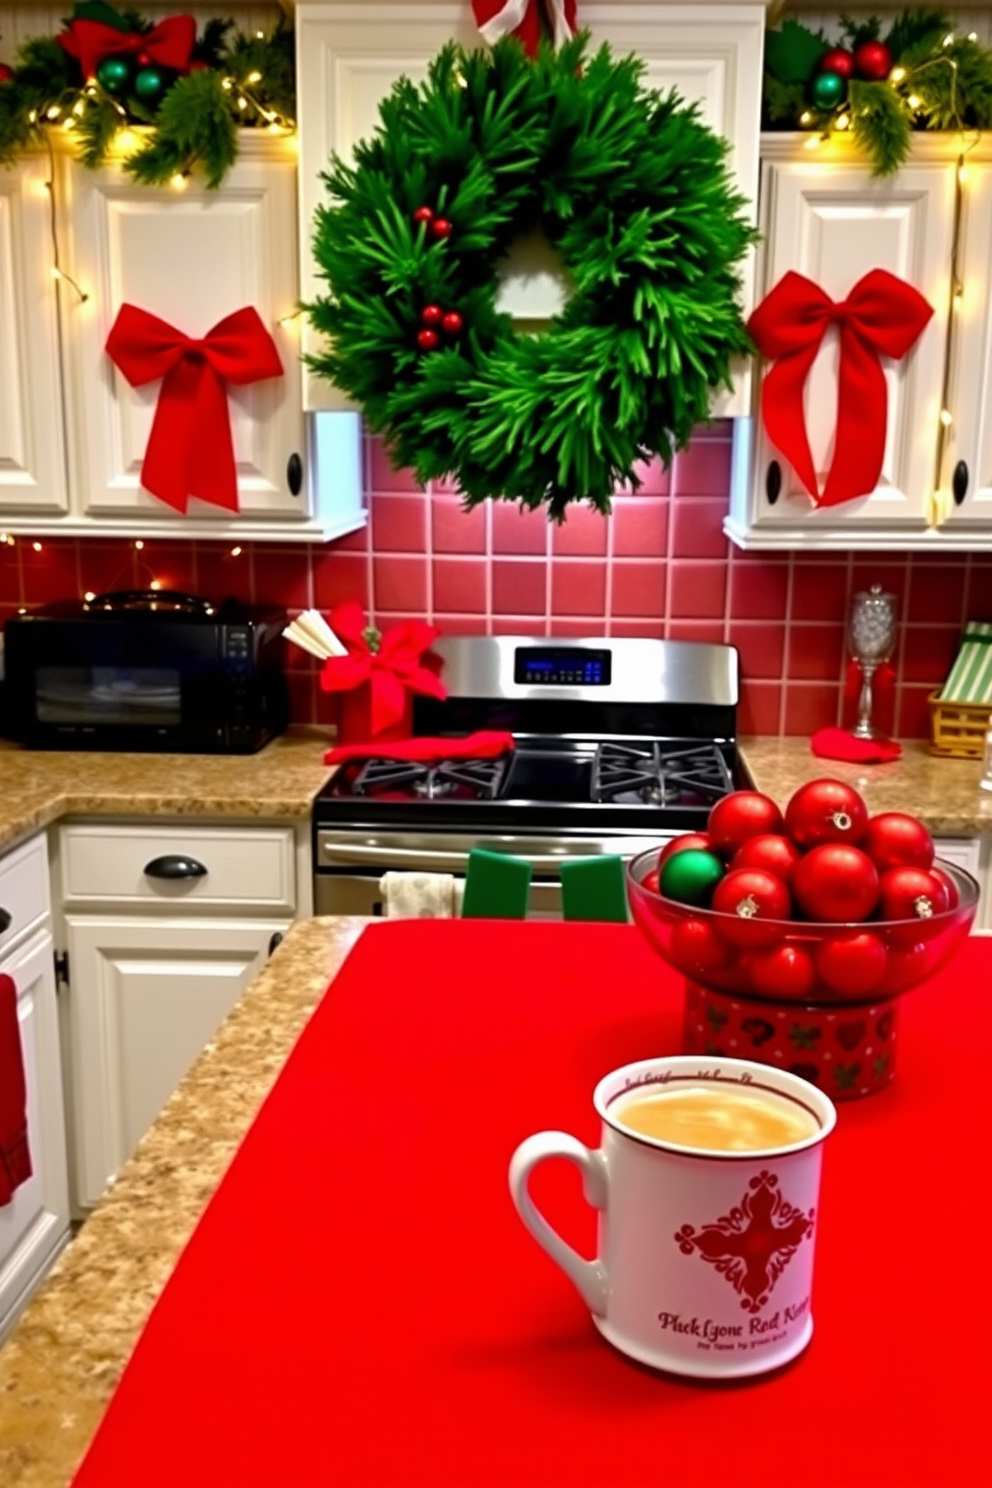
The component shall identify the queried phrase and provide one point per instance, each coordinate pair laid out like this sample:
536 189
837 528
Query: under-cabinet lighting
139 543
235 552
36 546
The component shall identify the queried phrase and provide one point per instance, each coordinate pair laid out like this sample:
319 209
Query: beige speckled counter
60 1365
38 786
944 793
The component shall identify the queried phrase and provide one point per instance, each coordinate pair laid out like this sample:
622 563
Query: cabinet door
190 257
833 222
32 448
36 1221
145 996
966 492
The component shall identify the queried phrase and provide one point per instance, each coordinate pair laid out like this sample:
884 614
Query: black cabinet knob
174 865
275 940
959 482
294 474
773 482
5 920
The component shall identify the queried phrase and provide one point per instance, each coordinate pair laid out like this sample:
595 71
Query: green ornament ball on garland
828 90
691 876
113 74
149 85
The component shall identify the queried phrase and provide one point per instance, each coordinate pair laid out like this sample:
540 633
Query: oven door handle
420 860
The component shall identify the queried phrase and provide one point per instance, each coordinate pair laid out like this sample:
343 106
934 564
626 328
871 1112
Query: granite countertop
59 1366
38 786
944 793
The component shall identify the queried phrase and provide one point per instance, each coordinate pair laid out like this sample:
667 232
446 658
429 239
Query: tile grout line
787 648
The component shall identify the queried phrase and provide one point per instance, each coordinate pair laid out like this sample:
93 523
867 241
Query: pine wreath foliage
633 192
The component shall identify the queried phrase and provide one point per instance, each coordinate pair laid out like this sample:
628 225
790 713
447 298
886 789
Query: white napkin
419 896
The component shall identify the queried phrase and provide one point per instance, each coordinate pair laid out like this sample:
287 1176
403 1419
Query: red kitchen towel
840 744
360 1306
485 744
15 1156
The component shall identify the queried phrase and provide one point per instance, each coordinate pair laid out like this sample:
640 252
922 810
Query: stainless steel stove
619 743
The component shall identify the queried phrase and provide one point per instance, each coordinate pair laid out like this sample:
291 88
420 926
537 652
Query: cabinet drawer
250 867
24 889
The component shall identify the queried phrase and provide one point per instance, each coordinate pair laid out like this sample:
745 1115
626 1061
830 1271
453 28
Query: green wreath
630 188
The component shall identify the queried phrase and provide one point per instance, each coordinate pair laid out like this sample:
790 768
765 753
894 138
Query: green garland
240 80
936 78
633 192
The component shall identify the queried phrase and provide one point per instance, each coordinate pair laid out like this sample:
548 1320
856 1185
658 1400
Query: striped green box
970 679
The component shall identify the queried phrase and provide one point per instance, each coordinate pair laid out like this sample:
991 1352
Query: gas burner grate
660 774
478 780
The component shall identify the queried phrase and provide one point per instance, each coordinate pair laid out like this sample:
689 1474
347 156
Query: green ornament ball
829 89
691 876
113 74
149 85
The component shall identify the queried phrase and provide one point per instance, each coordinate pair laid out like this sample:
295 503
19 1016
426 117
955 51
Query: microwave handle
124 597
174 865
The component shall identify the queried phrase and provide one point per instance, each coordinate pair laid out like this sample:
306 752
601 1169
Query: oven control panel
562 666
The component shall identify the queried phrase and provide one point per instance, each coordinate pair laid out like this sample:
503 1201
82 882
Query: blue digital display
561 666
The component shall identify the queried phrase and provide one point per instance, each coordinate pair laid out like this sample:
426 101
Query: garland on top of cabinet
921 75
109 72
633 192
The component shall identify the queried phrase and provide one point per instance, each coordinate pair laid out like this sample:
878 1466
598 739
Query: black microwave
145 670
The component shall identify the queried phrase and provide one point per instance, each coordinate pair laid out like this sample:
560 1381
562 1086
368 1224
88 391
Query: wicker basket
958 729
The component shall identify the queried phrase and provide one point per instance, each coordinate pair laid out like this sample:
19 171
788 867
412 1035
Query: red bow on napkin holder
522 19
169 44
882 316
190 451
379 676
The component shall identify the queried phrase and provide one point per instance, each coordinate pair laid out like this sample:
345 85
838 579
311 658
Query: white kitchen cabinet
156 963
32 448
35 1223
350 55
974 855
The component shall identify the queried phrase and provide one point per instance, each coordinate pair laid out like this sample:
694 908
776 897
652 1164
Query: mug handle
589 1277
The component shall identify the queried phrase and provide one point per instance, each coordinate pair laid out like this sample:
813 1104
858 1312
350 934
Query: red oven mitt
485 744
15 1158
839 744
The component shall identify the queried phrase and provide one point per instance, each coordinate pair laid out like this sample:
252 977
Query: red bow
882 316
190 452
522 18
170 43
392 671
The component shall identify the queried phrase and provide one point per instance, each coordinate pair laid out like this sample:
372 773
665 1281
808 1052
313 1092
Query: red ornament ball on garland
452 323
432 315
424 214
839 61
441 227
873 61
6 73
428 340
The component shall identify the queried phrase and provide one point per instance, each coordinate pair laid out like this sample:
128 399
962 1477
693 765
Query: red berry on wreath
427 340
911 894
441 227
852 964
424 214
741 815
873 61
452 323
825 811
696 948
836 882
432 315
698 840
6 73
756 901
768 851
839 61
782 971
896 840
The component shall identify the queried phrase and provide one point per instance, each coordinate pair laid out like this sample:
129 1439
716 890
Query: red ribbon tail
862 420
165 469
785 417
213 475
388 700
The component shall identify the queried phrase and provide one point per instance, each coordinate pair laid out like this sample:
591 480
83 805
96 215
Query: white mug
705 1258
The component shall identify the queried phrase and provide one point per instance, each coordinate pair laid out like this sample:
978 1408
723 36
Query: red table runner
360 1306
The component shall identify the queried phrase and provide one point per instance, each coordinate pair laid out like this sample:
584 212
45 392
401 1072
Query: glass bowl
816 998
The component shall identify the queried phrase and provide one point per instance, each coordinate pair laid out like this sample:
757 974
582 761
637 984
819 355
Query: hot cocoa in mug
707 1185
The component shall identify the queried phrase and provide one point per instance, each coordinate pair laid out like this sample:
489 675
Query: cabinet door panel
145 997
969 438
32 457
833 223
34 1223
190 259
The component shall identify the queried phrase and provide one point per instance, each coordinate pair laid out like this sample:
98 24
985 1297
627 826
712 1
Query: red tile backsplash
659 566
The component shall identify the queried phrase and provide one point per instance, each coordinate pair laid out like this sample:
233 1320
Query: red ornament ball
432 315
897 840
696 948
753 902
873 61
911 894
953 897
853 965
782 971
741 815
452 323
6 73
839 61
427 340
836 882
825 811
698 840
143 59
424 214
441 227
772 853
908 964
650 881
